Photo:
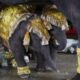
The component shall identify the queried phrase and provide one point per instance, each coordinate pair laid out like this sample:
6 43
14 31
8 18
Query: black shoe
76 77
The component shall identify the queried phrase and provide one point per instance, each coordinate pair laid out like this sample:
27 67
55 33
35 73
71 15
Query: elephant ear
26 39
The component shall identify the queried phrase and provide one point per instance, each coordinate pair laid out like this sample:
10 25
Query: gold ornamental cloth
10 17
23 70
55 17
37 26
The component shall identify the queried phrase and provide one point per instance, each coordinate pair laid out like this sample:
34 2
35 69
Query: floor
65 63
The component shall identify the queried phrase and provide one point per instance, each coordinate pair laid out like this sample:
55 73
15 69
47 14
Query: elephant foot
50 69
23 72
40 69
45 69
57 70
54 68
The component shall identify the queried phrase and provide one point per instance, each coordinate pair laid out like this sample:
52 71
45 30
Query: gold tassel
26 39
8 55
13 62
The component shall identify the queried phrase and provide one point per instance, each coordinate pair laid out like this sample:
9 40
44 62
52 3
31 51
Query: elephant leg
18 50
36 45
45 51
41 66
43 55
53 51
45 60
